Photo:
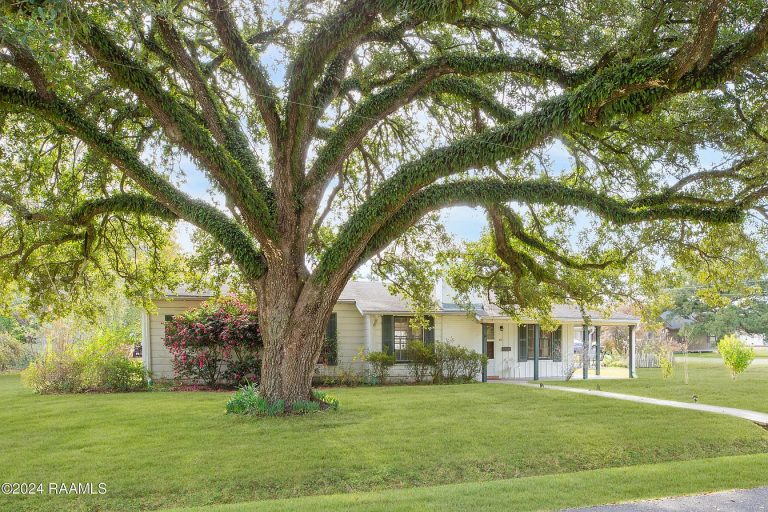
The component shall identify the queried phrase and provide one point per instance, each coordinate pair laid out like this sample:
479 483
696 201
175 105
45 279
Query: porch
526 352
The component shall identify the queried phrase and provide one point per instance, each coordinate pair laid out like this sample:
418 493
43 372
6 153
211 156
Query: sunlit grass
708 380
165 449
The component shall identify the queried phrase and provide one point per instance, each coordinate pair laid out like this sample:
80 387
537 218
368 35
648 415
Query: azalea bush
217 343
737 356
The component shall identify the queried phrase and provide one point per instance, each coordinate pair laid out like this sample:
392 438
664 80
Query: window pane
404 333
490 349
489 331
545 345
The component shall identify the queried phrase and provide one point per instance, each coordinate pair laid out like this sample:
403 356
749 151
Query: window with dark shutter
387 334
522 343
330 352
429 332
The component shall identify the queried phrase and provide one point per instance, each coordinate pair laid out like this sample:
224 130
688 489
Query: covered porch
574 349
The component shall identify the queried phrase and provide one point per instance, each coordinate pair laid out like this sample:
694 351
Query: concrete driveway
751 500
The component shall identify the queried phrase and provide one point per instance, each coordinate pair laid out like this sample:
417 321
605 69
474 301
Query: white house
370 318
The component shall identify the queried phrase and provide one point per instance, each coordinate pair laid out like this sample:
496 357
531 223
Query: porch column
597 350
368 333
585 351
484 351
631 362
536 342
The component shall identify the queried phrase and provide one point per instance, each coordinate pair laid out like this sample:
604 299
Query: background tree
332 129
718 314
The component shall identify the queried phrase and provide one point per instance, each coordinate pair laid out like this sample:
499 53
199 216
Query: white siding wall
507 365
353 335
159 356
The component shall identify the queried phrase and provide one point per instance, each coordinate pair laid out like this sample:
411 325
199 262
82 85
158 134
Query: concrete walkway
757 417
728 501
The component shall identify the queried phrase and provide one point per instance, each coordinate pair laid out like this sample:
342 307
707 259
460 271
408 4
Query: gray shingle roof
374 297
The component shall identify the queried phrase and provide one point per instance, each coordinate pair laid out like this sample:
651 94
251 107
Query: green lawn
760 351
708 379
536 493
164 449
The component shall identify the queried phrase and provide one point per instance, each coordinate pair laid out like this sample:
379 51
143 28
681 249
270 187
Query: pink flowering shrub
216 343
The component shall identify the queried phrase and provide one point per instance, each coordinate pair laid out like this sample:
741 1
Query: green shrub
380 363
667 369
99 364
122 374
348 376
13 353
55 372
453 363
421 360
247 400
737 356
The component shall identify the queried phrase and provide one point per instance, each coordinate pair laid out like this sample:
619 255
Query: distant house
368 317
674 323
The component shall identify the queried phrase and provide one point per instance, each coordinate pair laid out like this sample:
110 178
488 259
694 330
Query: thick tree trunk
292 319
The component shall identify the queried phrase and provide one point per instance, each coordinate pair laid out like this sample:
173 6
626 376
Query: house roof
182 292
371 297
374 297
567 312
674 321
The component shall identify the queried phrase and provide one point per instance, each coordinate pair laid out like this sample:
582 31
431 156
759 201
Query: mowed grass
708 379
536 493
760 351
164 449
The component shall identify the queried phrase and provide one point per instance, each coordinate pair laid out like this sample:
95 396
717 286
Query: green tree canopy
723 313
333 129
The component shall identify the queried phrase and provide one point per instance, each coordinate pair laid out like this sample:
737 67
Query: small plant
667 369
331 401
380 363
421 359
737 356
348 376
305 406
569 367
247 400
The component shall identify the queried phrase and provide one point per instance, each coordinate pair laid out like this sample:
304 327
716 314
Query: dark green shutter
388 334
522 343
331 348
429 331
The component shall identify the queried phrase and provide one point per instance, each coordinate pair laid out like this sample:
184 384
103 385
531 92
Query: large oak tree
389 110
